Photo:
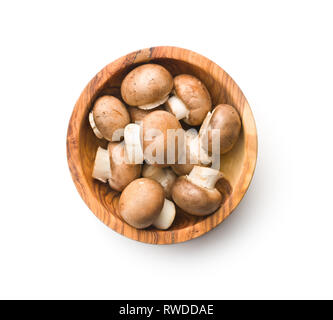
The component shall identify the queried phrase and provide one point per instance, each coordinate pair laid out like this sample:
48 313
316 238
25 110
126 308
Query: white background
277 243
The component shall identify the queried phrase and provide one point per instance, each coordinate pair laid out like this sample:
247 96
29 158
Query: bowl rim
75 165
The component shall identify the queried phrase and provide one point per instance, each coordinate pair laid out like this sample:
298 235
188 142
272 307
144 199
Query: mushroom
191 101
157 126
108 115
196 193
224 118
141 202
195 155
164 176
137 114
110 166
122 172
166 216
147 86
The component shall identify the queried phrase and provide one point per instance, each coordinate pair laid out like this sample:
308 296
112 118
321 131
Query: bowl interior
230 163
237 165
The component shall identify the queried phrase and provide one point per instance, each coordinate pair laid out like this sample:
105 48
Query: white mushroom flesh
204 177
164 176
93 126
133 146
154 104
198 155
178 108
166 217
205 124
102 168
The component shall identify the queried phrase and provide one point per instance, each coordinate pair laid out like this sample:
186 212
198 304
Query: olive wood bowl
237 165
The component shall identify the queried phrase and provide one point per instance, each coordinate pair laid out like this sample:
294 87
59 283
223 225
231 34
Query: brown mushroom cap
146 84
141 202
121 172
110 114
160 121
137 114
227 120
195 96
193 199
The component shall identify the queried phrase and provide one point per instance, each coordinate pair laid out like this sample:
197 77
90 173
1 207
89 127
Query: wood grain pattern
238 164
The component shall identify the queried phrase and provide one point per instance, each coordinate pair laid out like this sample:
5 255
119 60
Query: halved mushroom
108 115
147 86
141 202
224 118
195 155
157 127
122 172
191 101
196 193
166 216
164 176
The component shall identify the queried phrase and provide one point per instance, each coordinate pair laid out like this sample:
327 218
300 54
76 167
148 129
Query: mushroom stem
102 168
198 155
154 104
178 108
166 217
133 146
93 126
204 177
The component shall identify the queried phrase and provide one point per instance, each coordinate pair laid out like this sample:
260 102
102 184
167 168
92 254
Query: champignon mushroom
157 126
108 115
195 155
164 176
111 166
141 202
224 118
196 193
191 101
122 172
166 216
147 86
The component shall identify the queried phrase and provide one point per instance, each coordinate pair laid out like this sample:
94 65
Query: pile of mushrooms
137 162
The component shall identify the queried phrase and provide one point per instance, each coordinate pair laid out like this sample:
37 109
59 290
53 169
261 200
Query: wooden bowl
238 165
